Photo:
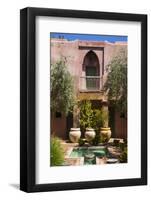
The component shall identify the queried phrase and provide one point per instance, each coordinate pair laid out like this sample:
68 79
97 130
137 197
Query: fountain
89 157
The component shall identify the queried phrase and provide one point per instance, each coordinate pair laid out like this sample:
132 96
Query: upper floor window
91 72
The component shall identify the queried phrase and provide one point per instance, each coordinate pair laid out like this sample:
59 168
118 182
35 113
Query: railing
90 83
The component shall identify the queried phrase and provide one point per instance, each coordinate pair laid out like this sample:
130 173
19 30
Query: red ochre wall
58 126
120 126
75 51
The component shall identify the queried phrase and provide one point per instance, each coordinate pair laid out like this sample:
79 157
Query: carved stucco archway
90 77
91 60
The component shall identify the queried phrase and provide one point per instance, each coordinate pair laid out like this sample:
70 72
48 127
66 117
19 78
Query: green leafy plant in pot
105 131
86 119
96 124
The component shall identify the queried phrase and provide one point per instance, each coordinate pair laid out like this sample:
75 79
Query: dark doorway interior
69 124
112 120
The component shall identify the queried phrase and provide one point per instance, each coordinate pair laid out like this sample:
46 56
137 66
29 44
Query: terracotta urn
105 132
74 134
89 134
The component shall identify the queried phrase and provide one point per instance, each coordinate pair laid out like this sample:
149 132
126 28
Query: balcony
90 83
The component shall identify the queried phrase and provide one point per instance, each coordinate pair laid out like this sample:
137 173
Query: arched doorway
91 71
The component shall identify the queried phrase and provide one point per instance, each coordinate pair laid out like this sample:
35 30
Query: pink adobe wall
120 126
58 126
75 52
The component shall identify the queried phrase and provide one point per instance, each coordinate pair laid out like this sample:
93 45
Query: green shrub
104 138
86 114
81 142
122 146
90 118
123 156
97 120
96 140
116 142
62 88
125 141
56 152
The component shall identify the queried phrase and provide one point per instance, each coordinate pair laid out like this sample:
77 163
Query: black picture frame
28 99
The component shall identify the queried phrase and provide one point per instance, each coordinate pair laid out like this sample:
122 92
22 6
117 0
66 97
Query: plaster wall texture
76 53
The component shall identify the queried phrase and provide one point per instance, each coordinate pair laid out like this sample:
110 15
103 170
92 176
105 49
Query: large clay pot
106 133
74 134
89 134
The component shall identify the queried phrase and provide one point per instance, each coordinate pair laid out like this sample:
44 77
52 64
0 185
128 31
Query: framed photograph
83 99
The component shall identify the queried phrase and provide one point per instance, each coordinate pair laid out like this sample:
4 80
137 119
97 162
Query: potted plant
96 124
105 131
74 134
86 120
89 134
